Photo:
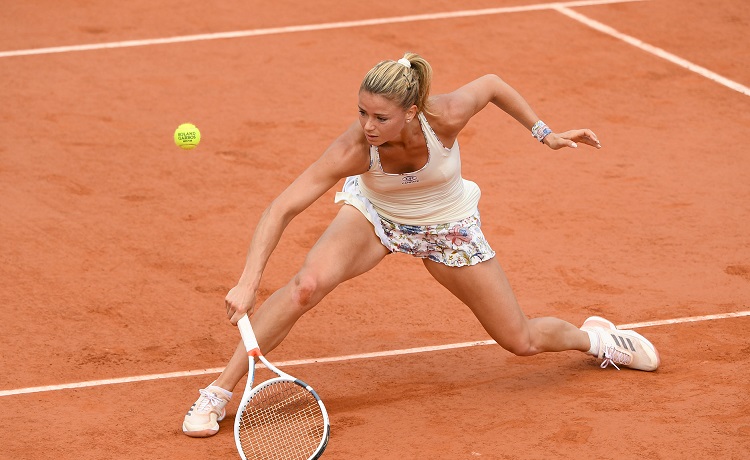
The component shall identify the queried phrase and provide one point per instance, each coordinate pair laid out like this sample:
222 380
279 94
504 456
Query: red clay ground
118 248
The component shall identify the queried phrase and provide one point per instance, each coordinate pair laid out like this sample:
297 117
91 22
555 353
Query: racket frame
253 352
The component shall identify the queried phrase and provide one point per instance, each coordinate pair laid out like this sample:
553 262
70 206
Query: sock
594 339
220 390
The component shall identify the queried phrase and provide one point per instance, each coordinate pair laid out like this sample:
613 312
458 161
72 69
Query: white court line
335 359
702 71
307 28
562 8
690 319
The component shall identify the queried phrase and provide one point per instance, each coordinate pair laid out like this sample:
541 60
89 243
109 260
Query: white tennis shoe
202 420
623 347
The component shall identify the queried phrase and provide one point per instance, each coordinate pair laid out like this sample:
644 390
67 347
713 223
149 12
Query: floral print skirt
455 244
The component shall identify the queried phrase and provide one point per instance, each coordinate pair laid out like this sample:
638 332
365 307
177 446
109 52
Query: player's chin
374 140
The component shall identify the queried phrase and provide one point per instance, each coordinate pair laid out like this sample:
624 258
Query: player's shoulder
350 151
445 114
352 141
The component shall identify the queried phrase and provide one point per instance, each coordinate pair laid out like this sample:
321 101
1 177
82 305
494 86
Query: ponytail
405 82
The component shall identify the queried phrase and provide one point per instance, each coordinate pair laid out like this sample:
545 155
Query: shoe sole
206 432
199 433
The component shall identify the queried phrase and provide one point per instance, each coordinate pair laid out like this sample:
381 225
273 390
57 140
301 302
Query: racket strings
281 421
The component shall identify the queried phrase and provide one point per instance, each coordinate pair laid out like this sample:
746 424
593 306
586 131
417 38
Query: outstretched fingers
573 137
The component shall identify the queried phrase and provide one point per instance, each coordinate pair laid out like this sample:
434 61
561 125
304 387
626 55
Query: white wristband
540 130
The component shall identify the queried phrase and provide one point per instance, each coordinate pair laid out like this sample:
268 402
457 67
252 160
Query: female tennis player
404 193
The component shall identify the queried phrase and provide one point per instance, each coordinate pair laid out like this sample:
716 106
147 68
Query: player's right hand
239 301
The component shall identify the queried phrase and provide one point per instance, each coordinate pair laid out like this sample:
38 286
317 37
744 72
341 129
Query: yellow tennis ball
187 136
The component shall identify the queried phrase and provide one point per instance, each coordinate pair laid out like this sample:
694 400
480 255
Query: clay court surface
118 248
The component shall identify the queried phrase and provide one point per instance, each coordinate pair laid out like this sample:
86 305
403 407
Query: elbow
279 211
495 78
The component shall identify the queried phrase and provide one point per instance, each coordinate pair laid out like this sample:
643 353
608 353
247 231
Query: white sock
594 339
228 394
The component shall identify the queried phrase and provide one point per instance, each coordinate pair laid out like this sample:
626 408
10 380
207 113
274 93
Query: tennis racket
281 418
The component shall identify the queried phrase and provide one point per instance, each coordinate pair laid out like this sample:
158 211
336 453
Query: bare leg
235 370
485 289
328 264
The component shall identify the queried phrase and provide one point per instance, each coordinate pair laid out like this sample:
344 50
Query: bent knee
307 289
304 289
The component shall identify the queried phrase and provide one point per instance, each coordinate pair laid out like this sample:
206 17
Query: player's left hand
571 138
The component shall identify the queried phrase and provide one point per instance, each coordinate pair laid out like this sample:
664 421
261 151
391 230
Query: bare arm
346 156
467 101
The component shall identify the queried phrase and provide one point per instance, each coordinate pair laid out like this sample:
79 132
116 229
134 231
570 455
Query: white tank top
435 194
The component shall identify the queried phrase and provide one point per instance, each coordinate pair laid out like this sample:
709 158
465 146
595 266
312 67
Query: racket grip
248 336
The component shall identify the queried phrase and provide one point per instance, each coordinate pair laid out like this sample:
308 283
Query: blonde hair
404 85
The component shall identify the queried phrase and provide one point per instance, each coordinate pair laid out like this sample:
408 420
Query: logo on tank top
409 180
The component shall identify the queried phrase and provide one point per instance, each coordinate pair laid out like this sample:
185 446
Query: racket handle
248 336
